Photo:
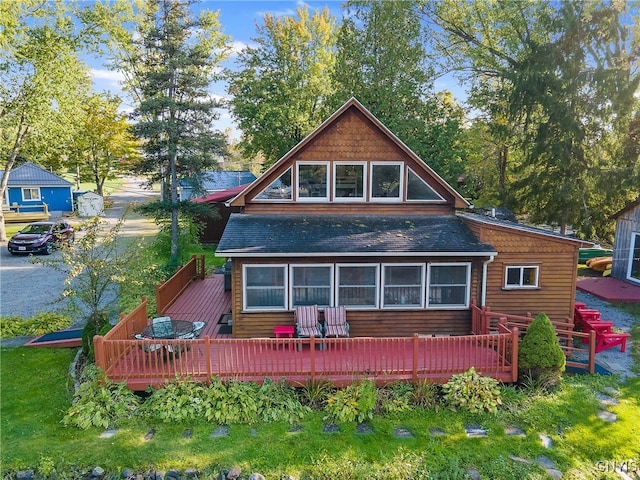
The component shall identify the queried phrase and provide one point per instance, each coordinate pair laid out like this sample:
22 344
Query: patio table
178 329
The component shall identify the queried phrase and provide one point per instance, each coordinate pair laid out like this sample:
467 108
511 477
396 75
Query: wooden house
626 247
351 216
34 193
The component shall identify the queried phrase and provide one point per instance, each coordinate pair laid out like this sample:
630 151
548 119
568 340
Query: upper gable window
279 189
312 181
386 181
418 189
349 182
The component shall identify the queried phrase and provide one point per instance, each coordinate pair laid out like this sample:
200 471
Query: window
358 286
521 277
403 285
349 182
386 181
634 258
264 287
417 189
311 285
312 181
279 189
31 194
448 284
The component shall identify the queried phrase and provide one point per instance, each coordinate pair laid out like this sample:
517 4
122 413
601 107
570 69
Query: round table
178 329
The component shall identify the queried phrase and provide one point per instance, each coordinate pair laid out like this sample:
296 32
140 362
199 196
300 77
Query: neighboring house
213 227
351 216
626 246
30 186
215 181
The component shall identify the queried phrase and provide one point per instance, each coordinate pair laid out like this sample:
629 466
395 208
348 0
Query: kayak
600 264
585 254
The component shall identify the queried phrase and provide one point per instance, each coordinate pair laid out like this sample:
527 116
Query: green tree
281 88
170 67
105 144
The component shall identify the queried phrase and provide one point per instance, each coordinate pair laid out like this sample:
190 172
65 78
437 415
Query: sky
238 19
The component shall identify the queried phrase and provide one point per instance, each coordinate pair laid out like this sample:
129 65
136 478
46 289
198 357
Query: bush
395 397
539 353
472 392
98 325
353 403
39 324
425 394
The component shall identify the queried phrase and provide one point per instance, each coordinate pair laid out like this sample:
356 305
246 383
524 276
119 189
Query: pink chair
335 322
306 318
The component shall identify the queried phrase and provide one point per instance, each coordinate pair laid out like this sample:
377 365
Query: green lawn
36 393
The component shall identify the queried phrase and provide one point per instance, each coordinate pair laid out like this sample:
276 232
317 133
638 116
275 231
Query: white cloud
107 76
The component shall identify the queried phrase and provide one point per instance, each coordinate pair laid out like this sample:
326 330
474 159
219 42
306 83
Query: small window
31 194
311 285
349 183
634 258
449 285
312 181
264 287
403 286
521 277
279 189
358 286
386 181
418 189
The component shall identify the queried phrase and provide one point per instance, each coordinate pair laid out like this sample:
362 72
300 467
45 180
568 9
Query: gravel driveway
27 288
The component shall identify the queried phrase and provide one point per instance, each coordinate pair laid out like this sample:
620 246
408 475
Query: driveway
27 288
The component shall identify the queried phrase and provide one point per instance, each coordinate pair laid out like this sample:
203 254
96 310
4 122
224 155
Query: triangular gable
626 209
31 174
328 136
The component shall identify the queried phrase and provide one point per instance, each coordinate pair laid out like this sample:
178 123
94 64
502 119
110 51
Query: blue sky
238 19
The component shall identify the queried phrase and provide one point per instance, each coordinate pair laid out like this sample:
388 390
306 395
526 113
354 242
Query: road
27 288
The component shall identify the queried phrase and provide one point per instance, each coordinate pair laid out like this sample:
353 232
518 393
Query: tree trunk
22 133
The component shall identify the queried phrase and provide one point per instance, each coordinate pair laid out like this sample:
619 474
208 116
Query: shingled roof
349 235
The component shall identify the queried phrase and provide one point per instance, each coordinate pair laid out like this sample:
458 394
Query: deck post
515 339
207 357
312 353
98 349
414 373
592 351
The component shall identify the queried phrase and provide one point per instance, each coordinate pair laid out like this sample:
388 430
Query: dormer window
386 181
313 180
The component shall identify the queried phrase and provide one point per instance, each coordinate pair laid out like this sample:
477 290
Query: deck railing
168 291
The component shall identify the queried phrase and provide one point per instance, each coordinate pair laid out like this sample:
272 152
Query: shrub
395 397
178 401
353 403
539 353
314 393
425 394
472 392
279 402
99 402
38 324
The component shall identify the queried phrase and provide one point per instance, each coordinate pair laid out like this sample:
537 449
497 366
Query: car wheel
48 248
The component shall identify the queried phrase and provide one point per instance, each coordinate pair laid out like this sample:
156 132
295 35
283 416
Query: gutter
483 298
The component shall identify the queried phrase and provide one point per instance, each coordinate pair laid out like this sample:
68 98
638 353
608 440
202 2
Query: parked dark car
41 237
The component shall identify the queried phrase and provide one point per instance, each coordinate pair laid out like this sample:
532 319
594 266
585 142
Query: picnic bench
588 320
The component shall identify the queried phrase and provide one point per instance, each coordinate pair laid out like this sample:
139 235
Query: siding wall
626 225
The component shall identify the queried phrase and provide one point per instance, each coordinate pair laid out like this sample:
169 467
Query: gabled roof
520 227
262 235
352 103
30 174
627 208
219 180
217 197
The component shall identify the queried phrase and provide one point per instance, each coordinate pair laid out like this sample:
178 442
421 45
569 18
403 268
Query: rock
295 429
475 431
545 462
331 428
256 476
233 473
607 400
546 441
191 472
220 432
25 475
364 428
172 475
515 432
402 433
150 434
607 416
437 432
188 433
128 474
473 474
155 475
520 460
97 473
108 433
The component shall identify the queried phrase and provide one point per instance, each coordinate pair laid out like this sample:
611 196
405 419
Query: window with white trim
279 189
358 285
521 277
402 285
386 181
31 194
313 179
633 273
448 285
311 285
349 182
265 287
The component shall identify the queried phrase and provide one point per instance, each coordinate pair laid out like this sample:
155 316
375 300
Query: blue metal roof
31 174
218 180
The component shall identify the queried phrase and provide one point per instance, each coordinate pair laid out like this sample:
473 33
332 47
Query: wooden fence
167 292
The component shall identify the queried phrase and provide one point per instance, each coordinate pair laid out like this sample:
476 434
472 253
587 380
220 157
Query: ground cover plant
36 395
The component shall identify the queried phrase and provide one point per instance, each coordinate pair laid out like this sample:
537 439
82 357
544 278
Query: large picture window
634 258
403 285
386 181
265 287
31 194
311 285
521 277
358 286
349 184
312 181
448 285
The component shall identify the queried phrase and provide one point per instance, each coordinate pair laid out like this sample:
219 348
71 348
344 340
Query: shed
626 246
213 227
90 204
214 181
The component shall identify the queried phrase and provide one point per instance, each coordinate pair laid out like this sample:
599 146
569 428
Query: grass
36 394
